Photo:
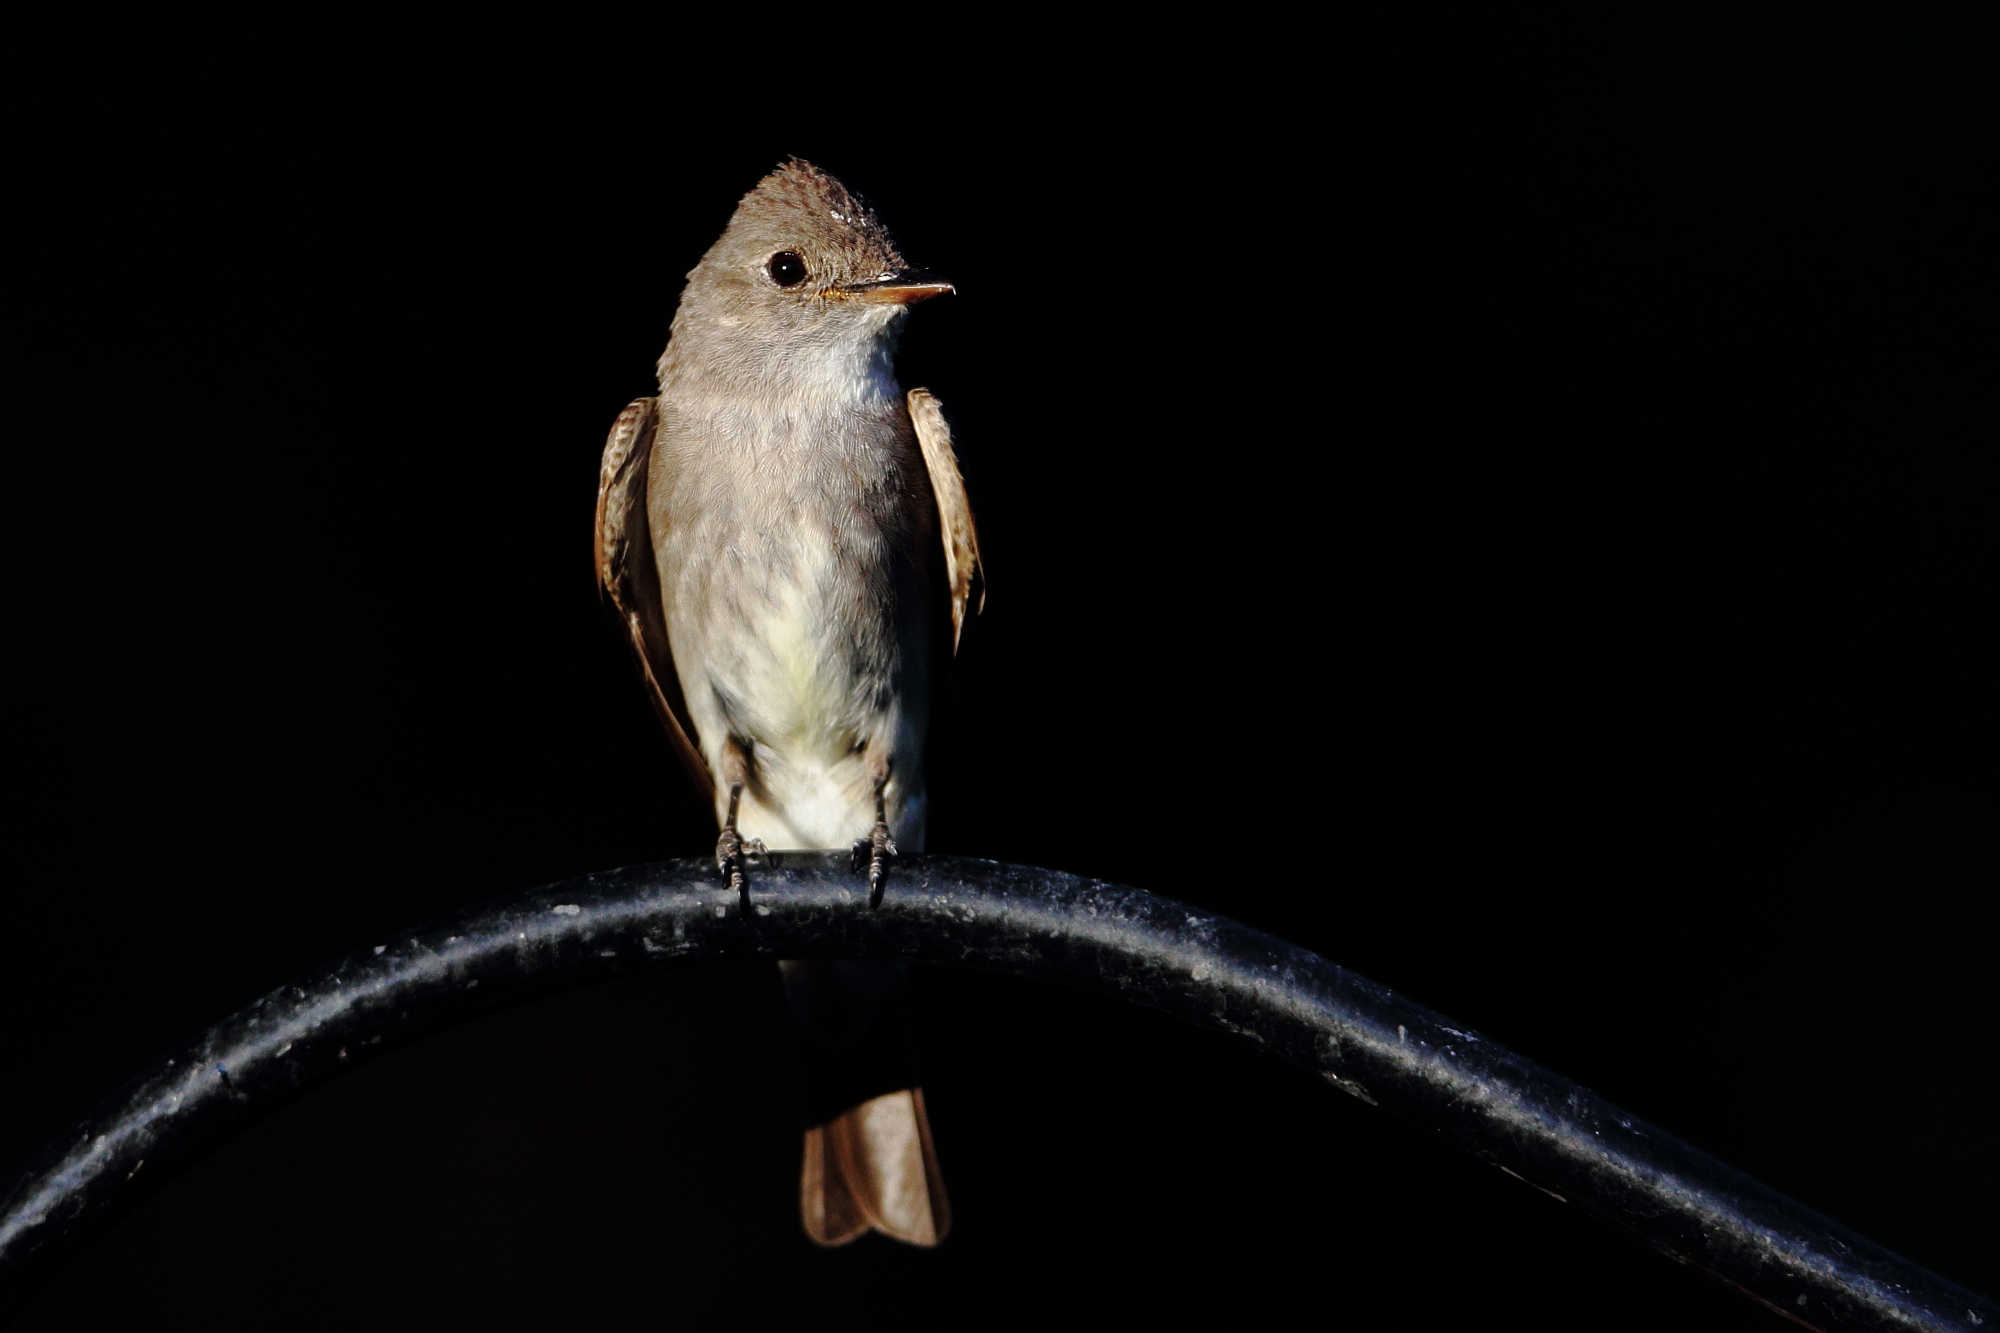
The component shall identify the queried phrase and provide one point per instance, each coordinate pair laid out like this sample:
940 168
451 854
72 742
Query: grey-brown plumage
786 537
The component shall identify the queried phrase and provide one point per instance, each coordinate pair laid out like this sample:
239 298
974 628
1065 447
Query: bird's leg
877 848
730 848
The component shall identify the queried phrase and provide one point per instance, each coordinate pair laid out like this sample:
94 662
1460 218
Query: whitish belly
806 711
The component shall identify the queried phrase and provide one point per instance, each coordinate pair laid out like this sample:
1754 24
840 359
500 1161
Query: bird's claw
731 852
876 851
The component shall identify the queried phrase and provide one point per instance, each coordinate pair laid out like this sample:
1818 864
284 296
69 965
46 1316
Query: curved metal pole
1362 1038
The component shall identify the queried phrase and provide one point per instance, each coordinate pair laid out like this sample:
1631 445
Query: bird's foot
875 851
731 853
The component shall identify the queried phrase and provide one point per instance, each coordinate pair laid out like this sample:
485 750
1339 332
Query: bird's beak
905 288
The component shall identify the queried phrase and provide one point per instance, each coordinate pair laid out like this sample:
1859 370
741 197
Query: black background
1530 466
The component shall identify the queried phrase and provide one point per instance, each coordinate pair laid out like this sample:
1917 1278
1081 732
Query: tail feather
874 1166
833 1216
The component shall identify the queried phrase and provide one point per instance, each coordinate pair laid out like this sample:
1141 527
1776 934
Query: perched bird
785 536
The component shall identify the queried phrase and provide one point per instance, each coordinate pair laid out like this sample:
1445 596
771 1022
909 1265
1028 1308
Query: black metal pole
1362 1038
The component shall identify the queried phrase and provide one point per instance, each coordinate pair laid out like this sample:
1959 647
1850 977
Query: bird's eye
786 268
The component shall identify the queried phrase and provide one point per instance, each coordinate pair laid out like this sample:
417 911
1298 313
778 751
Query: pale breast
795 561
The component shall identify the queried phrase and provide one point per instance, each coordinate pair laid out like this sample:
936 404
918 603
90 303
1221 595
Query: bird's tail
869 1161
874 1165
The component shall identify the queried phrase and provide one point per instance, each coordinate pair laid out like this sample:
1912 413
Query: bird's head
804 261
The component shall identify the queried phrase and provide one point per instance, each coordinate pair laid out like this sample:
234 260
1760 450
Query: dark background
1537 467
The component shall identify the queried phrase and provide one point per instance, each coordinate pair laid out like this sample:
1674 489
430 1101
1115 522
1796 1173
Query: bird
785 536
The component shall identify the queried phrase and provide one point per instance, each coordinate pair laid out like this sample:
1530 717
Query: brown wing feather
965 574
630 578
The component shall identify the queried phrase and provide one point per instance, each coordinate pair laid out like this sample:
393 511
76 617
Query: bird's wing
961 541
627 571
